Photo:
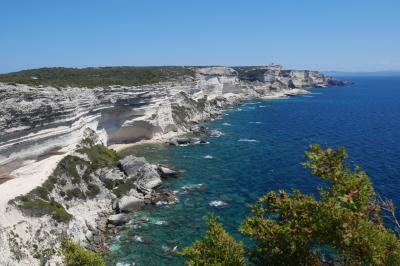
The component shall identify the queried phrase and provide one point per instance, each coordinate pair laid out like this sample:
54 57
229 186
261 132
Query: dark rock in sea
146 240
166 172
142 219
198 130
195 128
163 198
180 141
172 142
183 141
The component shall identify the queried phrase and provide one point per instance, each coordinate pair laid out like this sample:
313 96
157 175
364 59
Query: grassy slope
95 77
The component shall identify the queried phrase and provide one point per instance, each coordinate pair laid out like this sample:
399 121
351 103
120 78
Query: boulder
130 203
131 164
163 198
118 219
195 128
180 141
145 176
172 142
167 172
183 141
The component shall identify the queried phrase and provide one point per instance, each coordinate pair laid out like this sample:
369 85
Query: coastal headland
59 174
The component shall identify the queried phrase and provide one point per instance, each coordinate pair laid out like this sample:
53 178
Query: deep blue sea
261 150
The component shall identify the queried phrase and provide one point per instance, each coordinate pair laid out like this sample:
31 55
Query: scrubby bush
75 255
97 77
217 248
123 188
42 207
92 191
75 193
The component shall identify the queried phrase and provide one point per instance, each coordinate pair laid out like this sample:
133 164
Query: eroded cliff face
41 123
89 193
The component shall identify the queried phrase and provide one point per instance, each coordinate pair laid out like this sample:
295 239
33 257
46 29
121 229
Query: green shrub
41 207
41 192
123 188
75 255
217 248
98 76
93 190
68 166
75 193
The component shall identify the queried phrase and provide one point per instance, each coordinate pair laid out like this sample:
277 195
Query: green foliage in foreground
216 247
290 228
75 255
97 76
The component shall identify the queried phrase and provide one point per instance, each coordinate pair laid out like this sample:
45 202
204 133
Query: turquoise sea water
261 151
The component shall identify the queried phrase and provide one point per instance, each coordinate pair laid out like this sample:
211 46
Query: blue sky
349 35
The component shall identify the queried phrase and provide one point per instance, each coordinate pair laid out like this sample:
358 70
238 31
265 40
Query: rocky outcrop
118 219
52 120
89 193
144 175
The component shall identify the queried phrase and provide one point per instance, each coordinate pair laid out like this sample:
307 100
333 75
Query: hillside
97 76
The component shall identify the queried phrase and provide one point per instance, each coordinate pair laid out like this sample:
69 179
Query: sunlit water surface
261 151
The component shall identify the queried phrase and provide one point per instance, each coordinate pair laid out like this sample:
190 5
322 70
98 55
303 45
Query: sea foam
248 140
218 203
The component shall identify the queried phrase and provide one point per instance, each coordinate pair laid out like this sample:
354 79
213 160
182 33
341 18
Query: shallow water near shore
261 150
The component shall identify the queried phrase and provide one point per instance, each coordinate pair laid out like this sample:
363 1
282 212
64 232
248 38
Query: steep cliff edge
89 193
41 133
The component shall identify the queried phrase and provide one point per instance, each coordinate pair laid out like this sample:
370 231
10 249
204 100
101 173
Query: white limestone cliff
39 126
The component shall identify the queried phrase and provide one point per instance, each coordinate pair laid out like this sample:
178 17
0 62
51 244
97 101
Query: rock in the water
163 198
173 142
180 141
167 172
146 240
130 203
118 219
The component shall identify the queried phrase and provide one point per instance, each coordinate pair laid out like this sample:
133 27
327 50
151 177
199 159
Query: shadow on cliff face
4 174
136 131
51 152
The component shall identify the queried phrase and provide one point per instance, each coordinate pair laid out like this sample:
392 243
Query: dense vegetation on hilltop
345 222
97 76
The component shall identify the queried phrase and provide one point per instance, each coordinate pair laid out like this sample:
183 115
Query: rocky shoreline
84 191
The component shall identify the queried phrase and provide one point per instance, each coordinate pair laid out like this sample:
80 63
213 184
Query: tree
217 248
75 255
292 228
